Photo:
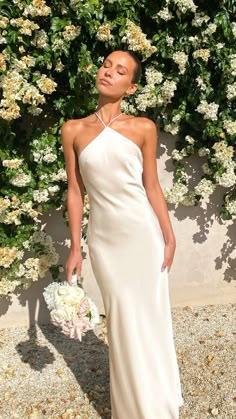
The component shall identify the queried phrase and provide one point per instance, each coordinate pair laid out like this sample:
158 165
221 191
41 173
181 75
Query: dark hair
138 69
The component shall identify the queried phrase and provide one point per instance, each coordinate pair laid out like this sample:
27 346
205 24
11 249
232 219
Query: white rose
62 314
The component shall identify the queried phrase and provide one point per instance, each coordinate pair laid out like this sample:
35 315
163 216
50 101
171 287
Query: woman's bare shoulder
142 122
73 127
71 124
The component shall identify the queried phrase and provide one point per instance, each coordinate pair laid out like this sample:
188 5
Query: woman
130 239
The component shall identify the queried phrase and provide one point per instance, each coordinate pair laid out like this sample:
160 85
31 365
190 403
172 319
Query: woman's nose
108 72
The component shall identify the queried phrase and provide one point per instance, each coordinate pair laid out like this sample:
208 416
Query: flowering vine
49 56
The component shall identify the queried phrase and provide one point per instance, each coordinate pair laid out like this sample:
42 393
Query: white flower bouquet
71 308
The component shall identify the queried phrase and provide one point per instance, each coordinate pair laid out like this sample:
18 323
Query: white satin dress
126 249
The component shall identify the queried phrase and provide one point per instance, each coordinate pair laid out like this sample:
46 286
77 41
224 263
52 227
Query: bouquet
71 308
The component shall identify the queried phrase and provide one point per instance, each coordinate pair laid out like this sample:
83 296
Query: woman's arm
75 196
153 188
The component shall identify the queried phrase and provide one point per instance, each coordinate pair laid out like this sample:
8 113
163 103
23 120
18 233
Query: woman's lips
103 81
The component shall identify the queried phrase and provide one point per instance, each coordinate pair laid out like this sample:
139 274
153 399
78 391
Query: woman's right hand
74 261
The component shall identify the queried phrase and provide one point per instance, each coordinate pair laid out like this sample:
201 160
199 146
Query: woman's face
114 78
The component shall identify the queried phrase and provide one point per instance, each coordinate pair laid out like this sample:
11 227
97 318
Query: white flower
21 179
153 76
185 5
230 126
202 53
41 196
209 110
203 151
199 19
49 158
231 91
176 194
233 24
212 27
201 83
189 139
181 59
189 199
206 169
171 128
231 205
62 314
13 163
167 90
204 188
165 14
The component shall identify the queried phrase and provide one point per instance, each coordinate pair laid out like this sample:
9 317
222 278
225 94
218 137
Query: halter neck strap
110 120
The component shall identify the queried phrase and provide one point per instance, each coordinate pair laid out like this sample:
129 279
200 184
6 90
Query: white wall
203 270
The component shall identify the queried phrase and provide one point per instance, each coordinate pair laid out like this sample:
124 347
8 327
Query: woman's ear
131 89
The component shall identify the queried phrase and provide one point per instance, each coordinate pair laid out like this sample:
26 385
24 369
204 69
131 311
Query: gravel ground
44 374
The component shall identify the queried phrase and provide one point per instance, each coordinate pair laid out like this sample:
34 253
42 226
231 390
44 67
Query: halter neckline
110 120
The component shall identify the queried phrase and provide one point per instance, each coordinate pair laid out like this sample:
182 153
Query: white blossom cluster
181 59
230 126
189 139
164 14
128 108
104 33
203 151
202 53
168 90
36 267
185 5
233 64
137 40
228 178
46 85
71 32
59 176
224 155
211 28
11 210
204 188
12 163
206 169
230 205
176 194
233 24
153 76
169 40
41 196
199 19
40 39
223 152
179 154
209 110
43 155
201 84
24 63
173 127
26 26
8 255
147 98
21 179
16 88
231 91
37 8
189 199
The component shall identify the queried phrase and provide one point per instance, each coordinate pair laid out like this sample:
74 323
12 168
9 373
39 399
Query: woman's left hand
168 256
